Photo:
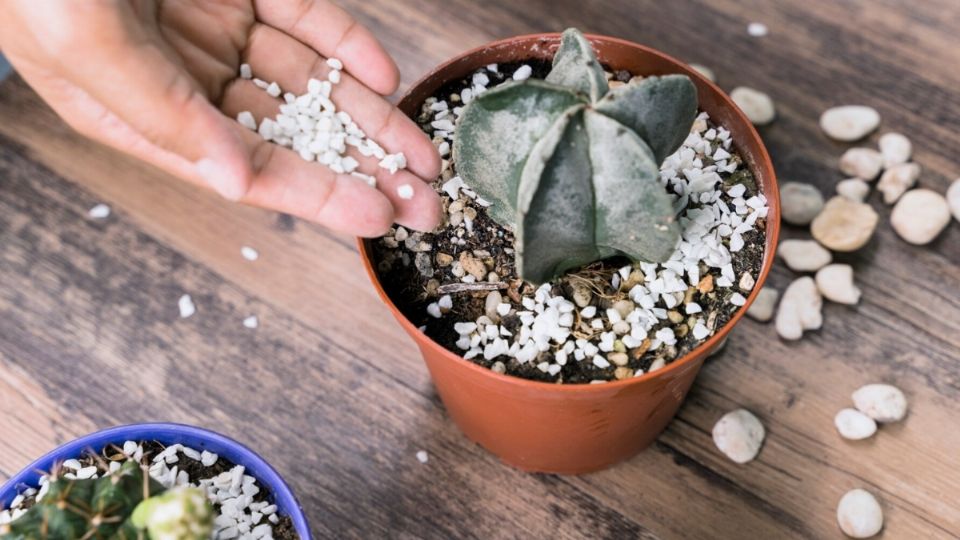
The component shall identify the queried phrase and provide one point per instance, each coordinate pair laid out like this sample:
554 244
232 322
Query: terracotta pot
572 429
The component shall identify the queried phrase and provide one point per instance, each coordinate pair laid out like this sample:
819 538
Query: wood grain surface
331 391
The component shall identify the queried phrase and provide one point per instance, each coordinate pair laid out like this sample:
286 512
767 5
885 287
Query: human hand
160 80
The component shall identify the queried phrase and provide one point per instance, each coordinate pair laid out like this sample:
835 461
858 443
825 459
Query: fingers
276 56
137 82
332 32
417 207
284 182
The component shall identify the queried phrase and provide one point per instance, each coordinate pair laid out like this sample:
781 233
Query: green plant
573 166
101 509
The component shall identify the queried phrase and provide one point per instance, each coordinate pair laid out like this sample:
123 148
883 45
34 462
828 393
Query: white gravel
99 211
882 402
739 435
859 514
849 122
920 216
185 304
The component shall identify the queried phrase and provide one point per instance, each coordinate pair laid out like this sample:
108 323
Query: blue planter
168 434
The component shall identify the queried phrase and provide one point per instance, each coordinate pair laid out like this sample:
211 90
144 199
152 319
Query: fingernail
220 179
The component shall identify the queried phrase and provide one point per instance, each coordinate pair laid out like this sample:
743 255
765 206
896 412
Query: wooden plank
334 393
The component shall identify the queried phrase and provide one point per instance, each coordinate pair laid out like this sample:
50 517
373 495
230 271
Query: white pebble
755 104
800 202
245 71
335 63
897 180
865 163
334 76
273 89
99 211
405 191
522 73
249 253
849 122
859 514
705 71
920 215
882 402
757 29
800 309
186 306
803 255
433 309
844 225
896 149
953 198
835 283
422 456
251 322
763 305
739 435
853 189
208 459
854 425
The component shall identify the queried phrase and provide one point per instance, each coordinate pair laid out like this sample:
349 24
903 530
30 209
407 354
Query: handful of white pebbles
311 125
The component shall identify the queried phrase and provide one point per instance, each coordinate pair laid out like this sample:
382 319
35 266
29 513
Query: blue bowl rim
166 433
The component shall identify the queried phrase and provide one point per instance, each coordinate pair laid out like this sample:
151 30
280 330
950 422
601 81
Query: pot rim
281 492
772 232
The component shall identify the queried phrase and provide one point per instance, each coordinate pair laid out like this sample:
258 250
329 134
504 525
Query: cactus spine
572 166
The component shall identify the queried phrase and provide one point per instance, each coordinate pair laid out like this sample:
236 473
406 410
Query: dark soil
413 271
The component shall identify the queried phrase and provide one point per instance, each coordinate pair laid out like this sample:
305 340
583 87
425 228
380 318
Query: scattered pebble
246 119
755 104
835 283
865 163
844 225
854 425
897 180
757 29
920 215
705 71
799 309
853 189
803 255
249 253
849 122
859 514
405 191
799 203
882 402
953 198
763 305
896 149
251 322
422 456
99 211
739 435
186 306
245 71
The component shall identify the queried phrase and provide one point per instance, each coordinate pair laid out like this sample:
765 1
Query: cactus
573 166
95 508
182 513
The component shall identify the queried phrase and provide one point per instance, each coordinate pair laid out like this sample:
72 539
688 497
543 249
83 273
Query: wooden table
333 393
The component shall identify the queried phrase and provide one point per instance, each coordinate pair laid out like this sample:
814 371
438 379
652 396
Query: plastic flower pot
567 428
167 434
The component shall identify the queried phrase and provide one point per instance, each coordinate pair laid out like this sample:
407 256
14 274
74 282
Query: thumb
142 86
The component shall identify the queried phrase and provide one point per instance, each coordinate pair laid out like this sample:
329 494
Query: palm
152 80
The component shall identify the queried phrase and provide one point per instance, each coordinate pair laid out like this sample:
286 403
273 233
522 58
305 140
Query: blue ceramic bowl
167 434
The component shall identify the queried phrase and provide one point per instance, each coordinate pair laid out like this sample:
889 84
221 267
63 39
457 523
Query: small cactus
183 513
95 508
572 166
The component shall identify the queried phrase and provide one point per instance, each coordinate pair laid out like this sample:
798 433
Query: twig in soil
448 288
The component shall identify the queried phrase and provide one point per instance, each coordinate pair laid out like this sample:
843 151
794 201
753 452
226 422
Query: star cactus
572 166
